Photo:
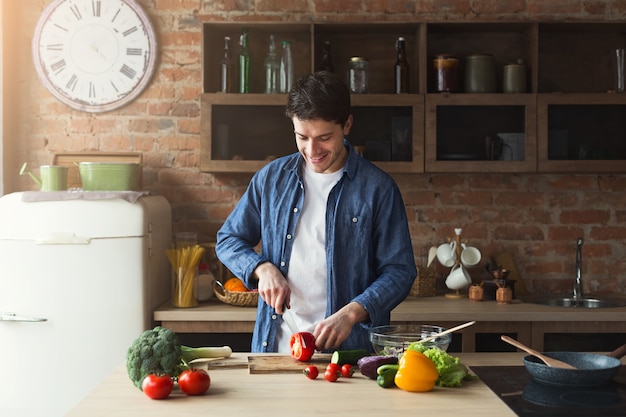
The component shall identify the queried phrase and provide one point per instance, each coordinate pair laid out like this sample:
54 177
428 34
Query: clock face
94 55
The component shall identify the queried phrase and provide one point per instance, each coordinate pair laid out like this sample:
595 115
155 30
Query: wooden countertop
413 309
235 392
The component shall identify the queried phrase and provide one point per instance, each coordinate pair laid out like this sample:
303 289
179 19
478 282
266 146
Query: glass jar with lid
358 75
446 77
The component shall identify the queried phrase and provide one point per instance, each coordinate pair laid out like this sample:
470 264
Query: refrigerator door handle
5 316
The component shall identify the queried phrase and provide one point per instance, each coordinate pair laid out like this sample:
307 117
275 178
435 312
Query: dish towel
36 196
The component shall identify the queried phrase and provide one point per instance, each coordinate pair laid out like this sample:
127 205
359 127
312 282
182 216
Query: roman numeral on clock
129 31
134 51
76 12
58 66
71 84
95 7
128 71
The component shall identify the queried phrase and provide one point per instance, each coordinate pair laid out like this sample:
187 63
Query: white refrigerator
79 280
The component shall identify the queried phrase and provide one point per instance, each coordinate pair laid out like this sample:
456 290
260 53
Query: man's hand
332 331
273 287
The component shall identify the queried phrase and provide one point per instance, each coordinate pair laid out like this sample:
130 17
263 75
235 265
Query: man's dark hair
321 95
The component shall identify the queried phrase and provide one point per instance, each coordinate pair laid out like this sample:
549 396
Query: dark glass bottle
401 71
327 62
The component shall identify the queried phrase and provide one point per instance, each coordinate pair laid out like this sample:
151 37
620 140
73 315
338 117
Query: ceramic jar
514 78
480 74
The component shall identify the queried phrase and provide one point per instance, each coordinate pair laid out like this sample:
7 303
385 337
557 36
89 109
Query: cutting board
284 364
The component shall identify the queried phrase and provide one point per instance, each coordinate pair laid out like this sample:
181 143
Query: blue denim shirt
368 244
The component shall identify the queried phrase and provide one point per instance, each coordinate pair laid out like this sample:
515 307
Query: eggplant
369 364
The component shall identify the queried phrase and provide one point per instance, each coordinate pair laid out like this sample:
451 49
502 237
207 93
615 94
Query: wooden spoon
450 330
554 363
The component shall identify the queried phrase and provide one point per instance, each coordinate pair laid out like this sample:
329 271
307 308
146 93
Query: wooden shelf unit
569 73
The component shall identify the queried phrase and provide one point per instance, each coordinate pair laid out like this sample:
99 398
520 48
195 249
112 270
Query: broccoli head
155 351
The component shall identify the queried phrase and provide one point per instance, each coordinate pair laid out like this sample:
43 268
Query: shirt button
354 220
264 343
274 316
288 237
295 209
282 263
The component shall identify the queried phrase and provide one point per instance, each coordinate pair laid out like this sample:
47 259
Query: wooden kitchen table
236 392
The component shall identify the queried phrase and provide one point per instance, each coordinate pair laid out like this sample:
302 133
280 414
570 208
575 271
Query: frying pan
592 369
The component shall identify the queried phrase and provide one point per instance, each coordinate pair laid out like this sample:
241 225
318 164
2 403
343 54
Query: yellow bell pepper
416 373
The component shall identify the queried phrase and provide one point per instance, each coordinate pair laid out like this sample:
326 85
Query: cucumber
341 357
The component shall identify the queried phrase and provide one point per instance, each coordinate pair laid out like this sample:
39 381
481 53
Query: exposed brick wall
535 217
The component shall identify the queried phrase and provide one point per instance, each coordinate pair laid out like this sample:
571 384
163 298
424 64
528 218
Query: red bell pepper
302 346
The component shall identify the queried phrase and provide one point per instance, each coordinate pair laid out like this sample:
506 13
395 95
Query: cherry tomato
157 386
333 367
194 381
347 370
311 372
330 375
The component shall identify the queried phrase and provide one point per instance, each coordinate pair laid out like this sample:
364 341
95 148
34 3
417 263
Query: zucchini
341 357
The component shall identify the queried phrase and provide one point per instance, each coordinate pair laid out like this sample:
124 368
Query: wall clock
94 55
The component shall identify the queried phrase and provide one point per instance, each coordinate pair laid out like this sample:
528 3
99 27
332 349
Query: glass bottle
226 65
401 71
327 63
272 68
244 64
286 68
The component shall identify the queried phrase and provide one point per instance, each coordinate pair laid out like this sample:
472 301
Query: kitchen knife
290 320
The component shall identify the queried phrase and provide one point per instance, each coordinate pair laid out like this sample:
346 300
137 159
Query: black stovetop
516 387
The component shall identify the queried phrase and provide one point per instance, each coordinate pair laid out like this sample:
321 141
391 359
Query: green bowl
110 176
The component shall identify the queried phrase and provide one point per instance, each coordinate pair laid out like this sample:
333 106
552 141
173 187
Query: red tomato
302 346
330 375
194 381
157 386
311 372
333 367
347 370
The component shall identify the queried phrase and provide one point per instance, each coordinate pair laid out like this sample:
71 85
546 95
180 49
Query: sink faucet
578 283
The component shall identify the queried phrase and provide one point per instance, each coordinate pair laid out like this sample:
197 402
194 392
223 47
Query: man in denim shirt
335 244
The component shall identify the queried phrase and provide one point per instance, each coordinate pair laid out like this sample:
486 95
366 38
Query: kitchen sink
577 302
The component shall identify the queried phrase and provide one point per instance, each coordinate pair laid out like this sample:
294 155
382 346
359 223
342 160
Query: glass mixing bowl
395 339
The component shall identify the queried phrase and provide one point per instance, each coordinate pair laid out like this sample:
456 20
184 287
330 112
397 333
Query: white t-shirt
307 266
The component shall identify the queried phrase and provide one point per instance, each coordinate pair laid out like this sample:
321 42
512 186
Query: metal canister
514 78
446 77
480 74
358 75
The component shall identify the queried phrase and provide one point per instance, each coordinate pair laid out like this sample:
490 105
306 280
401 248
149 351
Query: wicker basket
424 284
235 298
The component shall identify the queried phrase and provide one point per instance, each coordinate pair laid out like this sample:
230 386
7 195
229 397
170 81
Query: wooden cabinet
568 120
